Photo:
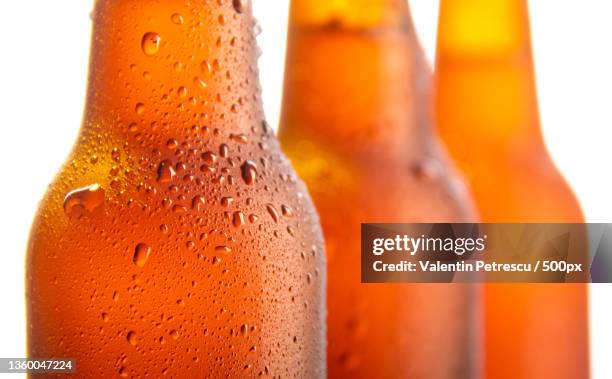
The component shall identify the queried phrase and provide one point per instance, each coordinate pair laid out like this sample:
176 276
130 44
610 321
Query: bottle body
177 240
488 117
356 126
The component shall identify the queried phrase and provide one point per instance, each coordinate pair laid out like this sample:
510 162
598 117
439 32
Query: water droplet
105 317
209 158
140 108
174 334
165 172
238 219
199 82
141 254
240 138
428 169
249 172
115 154
273 212
150 43
180 209
257 28
177 18
224 151
206 68
227 201
240 5
172 144
84 200
223 249
198 203
287 211
132 338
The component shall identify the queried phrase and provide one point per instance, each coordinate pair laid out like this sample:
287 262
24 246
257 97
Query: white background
44 47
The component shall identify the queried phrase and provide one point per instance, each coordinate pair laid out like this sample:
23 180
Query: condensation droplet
224 151
172 144
206 68
273 212
240 138
150 43
287 211
427 170
123 372
177 18
227 201
209 158
165 172
163 228
141 254
249 172
240 5
198 203
199 82
140 108
132 338
84 200
238 219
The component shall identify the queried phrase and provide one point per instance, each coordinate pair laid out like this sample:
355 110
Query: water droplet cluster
197 251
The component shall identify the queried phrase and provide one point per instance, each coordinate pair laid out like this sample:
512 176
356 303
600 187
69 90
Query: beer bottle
177 240
488 116
356 123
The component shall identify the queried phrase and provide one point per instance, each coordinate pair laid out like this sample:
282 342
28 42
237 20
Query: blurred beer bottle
488 116
356 123
177 240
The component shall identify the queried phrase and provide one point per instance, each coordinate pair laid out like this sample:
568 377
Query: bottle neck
350 14
486 82
164 66
354 72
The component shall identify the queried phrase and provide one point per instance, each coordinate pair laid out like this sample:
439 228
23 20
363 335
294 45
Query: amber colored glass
177 241
356 123
488 117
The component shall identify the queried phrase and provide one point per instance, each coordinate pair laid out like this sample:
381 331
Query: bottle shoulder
245 190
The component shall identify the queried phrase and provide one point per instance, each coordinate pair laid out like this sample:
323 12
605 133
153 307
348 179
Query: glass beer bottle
357 126
488 116
177 240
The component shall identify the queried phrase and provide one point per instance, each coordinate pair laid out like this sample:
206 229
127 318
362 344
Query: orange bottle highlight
356 123
487 112
177 241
